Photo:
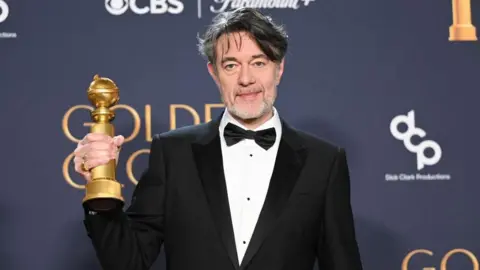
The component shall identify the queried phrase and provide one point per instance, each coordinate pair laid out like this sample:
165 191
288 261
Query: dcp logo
406 137
119 7
3 11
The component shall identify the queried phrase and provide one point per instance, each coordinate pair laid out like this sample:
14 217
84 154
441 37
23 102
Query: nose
246 77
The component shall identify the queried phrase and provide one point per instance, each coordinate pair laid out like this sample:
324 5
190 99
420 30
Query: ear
213 72
279 70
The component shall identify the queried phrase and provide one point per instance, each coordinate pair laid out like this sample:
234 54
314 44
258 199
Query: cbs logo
137 126
443 261
119 7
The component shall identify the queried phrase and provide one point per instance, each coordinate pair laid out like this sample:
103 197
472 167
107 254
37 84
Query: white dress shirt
248 169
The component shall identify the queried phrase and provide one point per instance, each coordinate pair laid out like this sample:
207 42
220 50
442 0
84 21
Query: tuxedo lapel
289 162
208 156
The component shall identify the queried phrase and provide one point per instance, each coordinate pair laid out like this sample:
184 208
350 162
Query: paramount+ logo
420 150
120 7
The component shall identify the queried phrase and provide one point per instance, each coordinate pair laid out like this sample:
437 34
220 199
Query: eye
229 66
259 64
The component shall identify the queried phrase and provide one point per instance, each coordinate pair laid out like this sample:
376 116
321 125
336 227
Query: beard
248 111
253 111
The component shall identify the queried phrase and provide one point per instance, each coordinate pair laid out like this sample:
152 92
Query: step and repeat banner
394 82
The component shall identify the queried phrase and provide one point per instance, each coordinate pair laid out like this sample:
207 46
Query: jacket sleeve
337 246
132 239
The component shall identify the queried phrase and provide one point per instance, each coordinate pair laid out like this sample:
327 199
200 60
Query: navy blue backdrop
353 69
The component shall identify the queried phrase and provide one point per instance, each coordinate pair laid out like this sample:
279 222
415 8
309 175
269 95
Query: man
244 191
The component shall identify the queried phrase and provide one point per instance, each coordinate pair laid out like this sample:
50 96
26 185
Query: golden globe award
103 192
462 28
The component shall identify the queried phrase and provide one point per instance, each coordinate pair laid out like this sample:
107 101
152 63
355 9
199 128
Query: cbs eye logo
116 7
120 7
3 11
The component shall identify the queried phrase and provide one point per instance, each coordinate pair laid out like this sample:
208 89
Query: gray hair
270 37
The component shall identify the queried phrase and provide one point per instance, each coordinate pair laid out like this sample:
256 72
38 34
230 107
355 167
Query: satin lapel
208 156
287 167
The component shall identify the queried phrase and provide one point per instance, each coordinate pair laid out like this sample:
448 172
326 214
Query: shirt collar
274 122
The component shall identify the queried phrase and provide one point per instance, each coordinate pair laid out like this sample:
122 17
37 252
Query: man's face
246 78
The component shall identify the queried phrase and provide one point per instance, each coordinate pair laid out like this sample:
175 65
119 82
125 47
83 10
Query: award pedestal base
103 195
462 32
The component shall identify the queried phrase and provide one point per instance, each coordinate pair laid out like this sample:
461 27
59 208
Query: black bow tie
264 138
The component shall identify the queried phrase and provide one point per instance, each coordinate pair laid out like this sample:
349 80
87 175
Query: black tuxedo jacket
181 202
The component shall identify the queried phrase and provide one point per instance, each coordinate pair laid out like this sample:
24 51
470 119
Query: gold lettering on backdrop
469 254
409 256
66 173
130 161
173 114
66 118
69 112
137 122
208 110
462 28
443 261
148 123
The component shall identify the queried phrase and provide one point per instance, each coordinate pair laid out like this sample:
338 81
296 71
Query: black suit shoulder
186 134
316 143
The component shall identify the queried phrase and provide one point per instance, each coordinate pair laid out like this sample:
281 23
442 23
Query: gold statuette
462 28
103 192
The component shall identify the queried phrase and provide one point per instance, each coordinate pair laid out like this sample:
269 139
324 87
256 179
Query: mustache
248 91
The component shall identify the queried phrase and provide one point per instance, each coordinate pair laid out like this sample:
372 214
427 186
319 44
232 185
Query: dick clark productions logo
407 136
3 11
419 149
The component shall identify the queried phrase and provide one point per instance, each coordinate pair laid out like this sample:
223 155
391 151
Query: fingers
96 149
78 162
92 137
118 140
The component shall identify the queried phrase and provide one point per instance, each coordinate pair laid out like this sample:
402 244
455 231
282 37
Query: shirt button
244 242
251 155
248 199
